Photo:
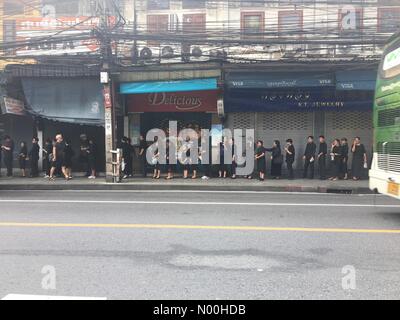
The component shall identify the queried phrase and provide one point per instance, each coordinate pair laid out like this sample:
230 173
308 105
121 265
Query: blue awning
168 86
356 80
279 80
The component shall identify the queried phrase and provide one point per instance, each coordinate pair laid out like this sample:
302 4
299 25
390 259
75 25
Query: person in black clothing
34 158
23 154
142 154
309 157
223 170
92 158
260 160
290 156
48 154
233 166
322 152
58 157
276 159
8 150
68 155
344 171
359 159
335 160
126 157
83 153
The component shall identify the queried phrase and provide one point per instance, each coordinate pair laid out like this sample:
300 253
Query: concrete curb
189 187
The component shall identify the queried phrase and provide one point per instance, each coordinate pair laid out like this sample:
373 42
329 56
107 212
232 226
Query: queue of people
58 155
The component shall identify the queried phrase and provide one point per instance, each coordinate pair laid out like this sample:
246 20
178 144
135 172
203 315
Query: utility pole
108 92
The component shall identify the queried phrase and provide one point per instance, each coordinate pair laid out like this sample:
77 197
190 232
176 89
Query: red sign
191 101
107 97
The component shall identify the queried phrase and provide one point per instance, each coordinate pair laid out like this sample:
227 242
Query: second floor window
290 22
252 24
157 4
388 20
194 23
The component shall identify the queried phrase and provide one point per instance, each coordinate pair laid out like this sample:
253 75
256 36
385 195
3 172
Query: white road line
200 203
40 297
198 191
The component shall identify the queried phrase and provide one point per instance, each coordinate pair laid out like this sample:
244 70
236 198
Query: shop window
63 8
388 20
194 23
157 4
157 24
13 7
193 4
252 24
290 22
348 23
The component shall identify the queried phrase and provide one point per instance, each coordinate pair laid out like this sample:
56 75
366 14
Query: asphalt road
199 245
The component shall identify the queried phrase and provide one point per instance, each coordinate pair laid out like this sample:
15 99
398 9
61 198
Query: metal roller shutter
284 125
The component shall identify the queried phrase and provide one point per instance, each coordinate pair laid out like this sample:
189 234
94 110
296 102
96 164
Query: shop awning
169 86
356 80
68 100
278 80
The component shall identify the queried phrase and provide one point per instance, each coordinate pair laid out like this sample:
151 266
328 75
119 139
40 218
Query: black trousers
34 168
8 161
289 165
308 165
143 160
322 167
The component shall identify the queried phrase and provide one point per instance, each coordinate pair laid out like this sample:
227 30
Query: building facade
287 68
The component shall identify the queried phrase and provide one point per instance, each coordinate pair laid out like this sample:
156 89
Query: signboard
191 101
288 101
13 106
30 28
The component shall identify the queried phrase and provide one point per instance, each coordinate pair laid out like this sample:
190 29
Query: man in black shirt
323 151
290 156
34 157
8 150
309 157
142 154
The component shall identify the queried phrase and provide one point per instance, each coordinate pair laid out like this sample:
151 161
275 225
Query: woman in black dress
359 159
260 160
223 171
233 166
277 159
156 160
335 159
23 154
344 146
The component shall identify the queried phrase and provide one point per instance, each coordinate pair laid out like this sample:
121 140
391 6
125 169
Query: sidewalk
215 184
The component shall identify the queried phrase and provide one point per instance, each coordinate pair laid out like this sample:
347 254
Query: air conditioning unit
48 11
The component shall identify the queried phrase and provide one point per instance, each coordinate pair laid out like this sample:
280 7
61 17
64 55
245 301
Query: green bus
385 170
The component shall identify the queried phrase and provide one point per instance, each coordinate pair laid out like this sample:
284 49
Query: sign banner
191 101
278 80
29 28
169 86
295 101
12 106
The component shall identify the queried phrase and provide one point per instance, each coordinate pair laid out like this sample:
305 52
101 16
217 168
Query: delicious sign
192 101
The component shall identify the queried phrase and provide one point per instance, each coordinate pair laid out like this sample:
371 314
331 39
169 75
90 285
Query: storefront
149 105
281 106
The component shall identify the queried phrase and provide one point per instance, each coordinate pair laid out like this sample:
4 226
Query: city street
199 245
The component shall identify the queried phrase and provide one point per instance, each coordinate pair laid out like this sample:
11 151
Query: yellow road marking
192 227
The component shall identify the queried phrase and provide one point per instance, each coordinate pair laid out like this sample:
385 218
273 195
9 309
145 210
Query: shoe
125 177
92 177
205 178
